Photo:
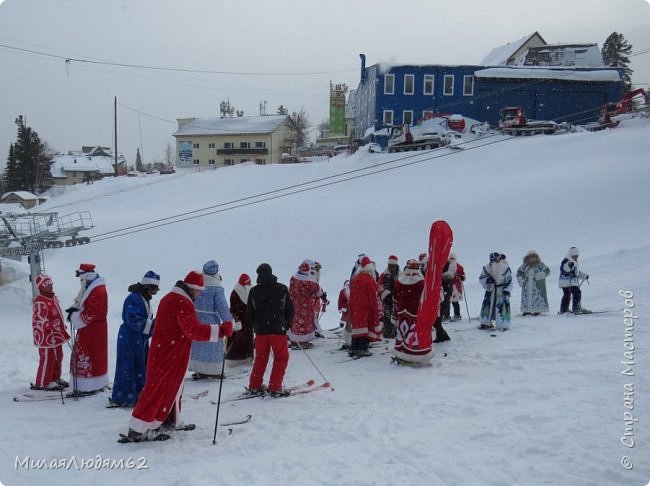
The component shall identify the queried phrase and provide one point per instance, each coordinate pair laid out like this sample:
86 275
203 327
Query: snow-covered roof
80 162
546 73
499 55
24 195
562 54
229 125
8 208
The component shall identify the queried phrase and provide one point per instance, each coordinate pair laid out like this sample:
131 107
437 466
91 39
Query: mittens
225 329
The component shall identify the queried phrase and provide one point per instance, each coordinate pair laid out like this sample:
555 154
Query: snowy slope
541 404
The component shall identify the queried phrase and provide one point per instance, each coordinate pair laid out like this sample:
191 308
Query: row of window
428 84
231 161
231 145
407 116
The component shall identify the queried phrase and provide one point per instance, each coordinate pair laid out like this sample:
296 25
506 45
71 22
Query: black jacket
269 306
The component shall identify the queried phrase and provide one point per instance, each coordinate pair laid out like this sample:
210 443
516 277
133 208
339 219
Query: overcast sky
284 52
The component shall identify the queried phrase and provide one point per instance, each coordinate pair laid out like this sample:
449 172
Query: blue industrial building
403 94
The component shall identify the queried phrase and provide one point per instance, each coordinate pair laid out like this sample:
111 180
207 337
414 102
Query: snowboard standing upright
419 347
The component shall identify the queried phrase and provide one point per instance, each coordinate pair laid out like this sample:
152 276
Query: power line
69 60
281 192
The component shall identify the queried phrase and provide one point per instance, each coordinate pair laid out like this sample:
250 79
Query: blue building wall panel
543 99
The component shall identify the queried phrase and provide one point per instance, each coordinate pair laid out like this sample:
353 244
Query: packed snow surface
548 402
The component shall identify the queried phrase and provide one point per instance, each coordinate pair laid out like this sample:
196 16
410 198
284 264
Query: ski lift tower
30 233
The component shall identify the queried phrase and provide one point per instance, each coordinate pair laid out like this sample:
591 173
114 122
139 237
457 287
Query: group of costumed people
88 317
377 306
496 279
194 319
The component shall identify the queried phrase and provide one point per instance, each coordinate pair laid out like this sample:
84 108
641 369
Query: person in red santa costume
49 335
305 290
88 315
169 354
364 309
407 291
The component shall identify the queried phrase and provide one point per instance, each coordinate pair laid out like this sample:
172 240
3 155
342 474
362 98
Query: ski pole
493 307
58 365
73 365
314 365
462 285
223 368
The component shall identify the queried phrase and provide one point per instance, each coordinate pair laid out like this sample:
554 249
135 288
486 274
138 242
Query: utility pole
115 129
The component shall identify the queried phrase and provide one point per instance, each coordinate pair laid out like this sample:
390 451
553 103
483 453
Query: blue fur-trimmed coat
132 347
496 279
532 279
211 308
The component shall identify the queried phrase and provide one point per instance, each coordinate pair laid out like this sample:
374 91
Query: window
388 117
228 145
426 114
228 162
260 161
449 85
407 117
244 145
428 84
211 145
211 162
409 84
260 145
195 145
389 84
468 85
196 161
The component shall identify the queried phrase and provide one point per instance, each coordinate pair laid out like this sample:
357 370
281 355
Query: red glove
225 329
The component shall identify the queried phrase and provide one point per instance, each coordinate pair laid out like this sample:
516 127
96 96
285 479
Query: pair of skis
125 439
44 396
307 387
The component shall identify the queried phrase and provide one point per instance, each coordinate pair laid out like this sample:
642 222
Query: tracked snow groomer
513 121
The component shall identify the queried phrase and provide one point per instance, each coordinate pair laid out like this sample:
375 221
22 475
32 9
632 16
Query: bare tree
301 121
169 155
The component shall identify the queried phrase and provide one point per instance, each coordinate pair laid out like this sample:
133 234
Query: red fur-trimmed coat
48 325
90 354
169 354
303 292
364 308
407 291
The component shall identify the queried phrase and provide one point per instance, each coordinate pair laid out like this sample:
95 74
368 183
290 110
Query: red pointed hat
365 261
244 279
86 267
392 260
194 280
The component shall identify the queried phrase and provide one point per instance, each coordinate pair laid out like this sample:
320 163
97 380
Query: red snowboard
440 240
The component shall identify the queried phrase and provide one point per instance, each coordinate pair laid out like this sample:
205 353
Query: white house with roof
25 199
507 54
85 165
533 50
217 142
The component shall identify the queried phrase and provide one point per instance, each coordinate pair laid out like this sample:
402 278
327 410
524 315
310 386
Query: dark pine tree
616 51
138 162
11 180
32 160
